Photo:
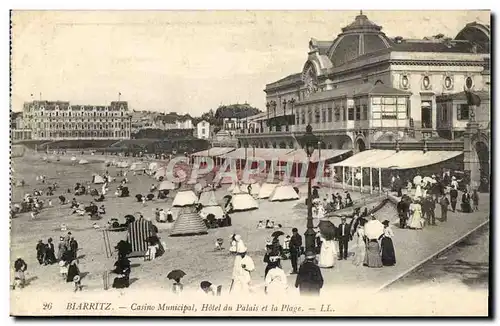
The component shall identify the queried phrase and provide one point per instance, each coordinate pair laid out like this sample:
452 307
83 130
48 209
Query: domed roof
360 37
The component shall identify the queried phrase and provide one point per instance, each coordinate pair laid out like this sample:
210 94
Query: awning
390 159
266 154
214 151
299 155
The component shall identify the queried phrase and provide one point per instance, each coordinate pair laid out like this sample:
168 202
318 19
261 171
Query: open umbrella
296 190
417 180
429 180
176 274
316 186
327 228
277 234
374 229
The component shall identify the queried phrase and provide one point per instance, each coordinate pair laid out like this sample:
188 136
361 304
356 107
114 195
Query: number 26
47 305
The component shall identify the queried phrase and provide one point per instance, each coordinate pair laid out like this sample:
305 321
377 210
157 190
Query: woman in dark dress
73 271
388 253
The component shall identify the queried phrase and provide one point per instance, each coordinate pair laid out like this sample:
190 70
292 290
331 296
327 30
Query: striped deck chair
138 232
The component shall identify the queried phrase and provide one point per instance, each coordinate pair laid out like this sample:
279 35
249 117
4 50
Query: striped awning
299 155
402 160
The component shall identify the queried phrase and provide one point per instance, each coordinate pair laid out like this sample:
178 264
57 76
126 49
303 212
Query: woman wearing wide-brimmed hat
387 246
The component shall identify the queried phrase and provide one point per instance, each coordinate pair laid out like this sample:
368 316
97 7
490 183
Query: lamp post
309 142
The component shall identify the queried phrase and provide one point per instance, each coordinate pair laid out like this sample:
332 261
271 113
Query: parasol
429 180
205 284
327 229
296 190
417 180
176 274
316 186
277 234
374 229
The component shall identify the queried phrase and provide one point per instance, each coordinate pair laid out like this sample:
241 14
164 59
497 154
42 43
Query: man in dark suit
444 202
309 279
343 236
295 249
453 198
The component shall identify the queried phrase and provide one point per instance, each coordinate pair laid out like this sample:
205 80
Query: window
203 131
350 115
462 112
344 114
358 113
389 108
317 116
329 114
323 118
309 116
337 114
364 115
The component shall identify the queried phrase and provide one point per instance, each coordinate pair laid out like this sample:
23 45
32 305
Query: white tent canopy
243 202
266 190
284 193
217 211
97 179
83 162
184 198
138 166
167 185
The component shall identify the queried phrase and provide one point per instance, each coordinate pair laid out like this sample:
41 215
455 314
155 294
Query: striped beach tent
138 232
188 223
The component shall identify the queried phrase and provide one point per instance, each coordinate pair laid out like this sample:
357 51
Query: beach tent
207 198
188 223
123 164
266 190
284 193
83 162
184 198
97 179
167 185
138 166
153 166
161 172
243 202
138 232
216 211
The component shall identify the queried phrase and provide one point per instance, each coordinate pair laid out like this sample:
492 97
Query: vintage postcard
250 163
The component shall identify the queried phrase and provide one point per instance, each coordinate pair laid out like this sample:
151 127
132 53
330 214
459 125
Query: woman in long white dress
416 221
418 190
276 280
328 252
359 256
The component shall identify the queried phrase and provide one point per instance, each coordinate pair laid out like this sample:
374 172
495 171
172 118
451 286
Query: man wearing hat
309 279
295 249
343 236
453 197
243 266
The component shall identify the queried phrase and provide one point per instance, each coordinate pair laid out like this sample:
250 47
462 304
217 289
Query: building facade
366 90
203 130
57 120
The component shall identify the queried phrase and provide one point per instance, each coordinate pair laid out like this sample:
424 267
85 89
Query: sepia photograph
216 163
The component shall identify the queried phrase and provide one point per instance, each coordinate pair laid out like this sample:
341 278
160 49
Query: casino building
57 120
366 90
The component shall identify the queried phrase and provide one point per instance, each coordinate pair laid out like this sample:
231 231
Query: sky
189 61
